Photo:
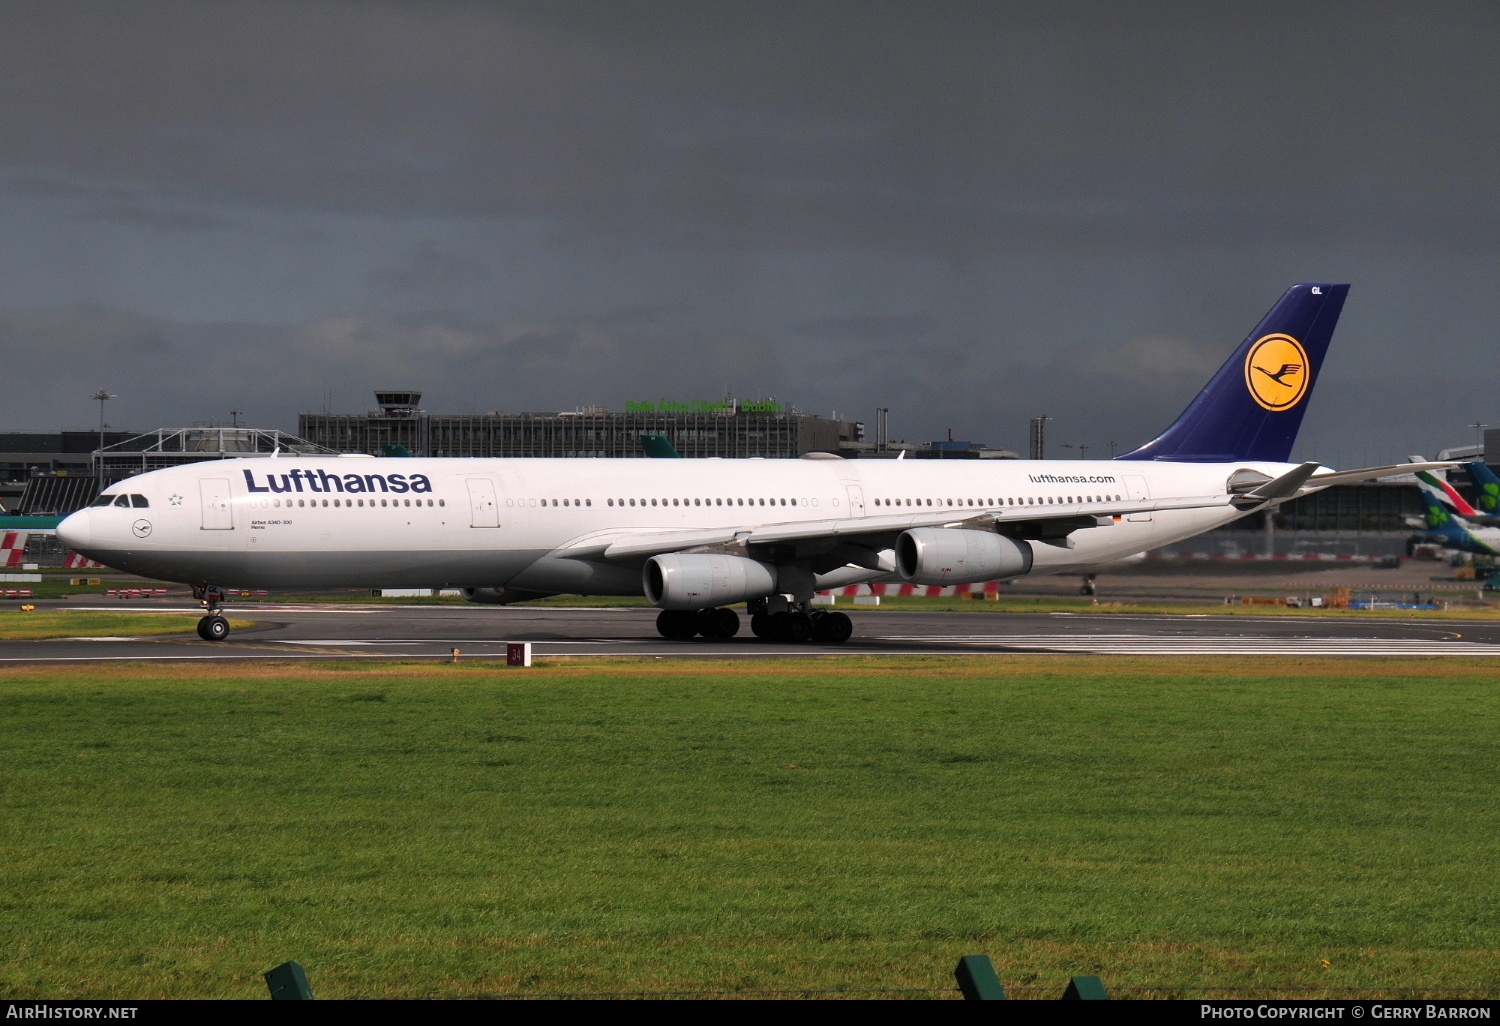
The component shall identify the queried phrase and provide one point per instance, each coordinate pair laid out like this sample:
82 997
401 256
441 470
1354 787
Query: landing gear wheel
834 628
760 626
213 628
677 624
726 624
798 626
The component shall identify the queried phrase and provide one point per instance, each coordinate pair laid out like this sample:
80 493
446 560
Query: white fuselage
480 523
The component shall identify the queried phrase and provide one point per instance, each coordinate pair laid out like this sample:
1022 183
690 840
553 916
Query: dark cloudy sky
970 212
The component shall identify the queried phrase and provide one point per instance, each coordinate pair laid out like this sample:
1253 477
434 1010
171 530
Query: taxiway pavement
481 632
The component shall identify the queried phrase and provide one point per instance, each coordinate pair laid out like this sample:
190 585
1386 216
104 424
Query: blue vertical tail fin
1486 488
1251 409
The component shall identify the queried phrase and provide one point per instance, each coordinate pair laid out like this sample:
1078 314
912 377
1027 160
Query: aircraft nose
76 531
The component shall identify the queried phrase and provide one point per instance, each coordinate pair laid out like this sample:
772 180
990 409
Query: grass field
17 625
644 826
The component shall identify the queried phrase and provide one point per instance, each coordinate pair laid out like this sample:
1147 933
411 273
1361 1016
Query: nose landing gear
212 627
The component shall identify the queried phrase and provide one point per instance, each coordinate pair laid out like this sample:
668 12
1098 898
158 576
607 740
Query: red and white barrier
12 548
989 589
77 562
17 593
1315 557
125 593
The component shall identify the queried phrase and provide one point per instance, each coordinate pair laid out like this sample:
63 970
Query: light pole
102 396
1479 433
1083 450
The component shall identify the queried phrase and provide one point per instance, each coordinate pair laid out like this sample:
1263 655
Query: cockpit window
104 500
139 502
123 500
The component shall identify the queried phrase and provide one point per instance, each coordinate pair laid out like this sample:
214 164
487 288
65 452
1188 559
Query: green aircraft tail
659 447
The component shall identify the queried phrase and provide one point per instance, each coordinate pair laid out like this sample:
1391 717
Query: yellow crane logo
1277 372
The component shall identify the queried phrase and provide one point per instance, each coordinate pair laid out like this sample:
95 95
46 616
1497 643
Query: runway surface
432 632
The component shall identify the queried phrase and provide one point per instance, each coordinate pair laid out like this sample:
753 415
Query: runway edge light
977 980
288 982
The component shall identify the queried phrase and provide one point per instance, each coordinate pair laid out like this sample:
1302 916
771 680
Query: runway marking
457 641
1134 644
238 611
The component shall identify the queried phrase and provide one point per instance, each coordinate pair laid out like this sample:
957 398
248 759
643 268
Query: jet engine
939 555
677 580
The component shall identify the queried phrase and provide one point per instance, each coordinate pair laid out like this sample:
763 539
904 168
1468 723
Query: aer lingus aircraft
696 536
1450 521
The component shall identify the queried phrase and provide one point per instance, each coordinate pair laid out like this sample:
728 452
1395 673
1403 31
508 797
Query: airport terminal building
730 429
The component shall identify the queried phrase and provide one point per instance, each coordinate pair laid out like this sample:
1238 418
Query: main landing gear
683 624
212 627
788 624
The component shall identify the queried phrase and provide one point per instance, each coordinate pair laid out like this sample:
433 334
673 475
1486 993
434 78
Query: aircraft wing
1340 477
878 531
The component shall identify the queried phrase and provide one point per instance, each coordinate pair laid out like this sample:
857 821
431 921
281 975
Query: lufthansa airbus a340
697 536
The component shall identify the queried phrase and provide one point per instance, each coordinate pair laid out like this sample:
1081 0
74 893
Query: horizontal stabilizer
1283 487
1339 477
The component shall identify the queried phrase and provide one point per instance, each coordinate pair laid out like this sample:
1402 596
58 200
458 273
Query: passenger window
441 502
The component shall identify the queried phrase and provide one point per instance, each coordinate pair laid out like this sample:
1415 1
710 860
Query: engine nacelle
677 580
940 555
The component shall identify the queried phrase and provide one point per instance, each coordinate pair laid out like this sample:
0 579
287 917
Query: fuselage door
214 492
1138 491
856 501
483 510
